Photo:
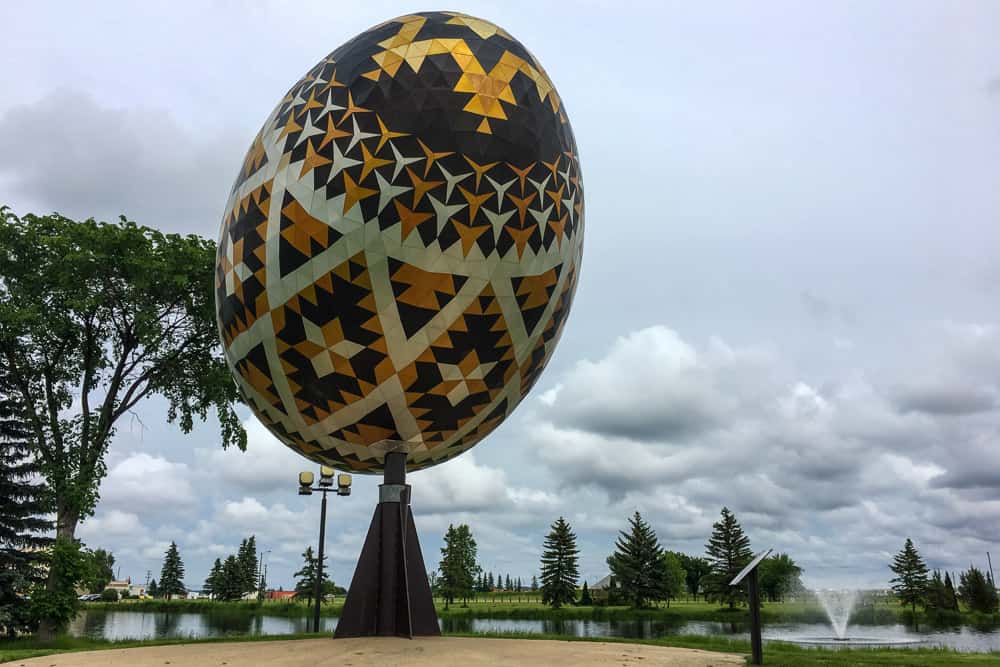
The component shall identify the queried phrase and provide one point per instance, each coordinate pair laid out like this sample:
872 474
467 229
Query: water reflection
102 624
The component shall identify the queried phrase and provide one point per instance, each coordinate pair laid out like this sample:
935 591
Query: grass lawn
785 655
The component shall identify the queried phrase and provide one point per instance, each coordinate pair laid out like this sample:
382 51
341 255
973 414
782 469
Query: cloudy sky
788 303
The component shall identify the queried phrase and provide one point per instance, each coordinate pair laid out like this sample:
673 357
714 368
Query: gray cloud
68 153
944 399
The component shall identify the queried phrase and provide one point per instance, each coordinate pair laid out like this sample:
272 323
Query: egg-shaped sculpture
399 252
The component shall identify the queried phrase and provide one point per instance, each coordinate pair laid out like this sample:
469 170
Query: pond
101 624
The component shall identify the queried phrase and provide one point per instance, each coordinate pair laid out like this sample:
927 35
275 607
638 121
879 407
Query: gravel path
389 651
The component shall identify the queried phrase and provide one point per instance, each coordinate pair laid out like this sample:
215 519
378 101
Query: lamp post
306 488
261 574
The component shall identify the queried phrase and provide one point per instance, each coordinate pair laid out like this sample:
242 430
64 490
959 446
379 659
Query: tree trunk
66 521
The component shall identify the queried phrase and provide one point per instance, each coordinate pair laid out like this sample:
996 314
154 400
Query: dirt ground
388 651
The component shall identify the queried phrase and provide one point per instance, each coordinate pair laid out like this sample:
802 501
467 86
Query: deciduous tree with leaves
95 317
560 565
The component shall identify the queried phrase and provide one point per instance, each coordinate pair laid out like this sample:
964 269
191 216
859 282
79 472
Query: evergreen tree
490 585
937 594
305 578
22 504
949 587
977 591
507 585
172 573
585 599
153 590
458 564
673 576
534 583
910 582
247 558
213 583
560 558
231 582
636 564
728 551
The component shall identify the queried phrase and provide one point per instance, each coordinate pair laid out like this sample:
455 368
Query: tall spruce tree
949 587
534 583
458 564
22 505
910 582
172 573
231 581
728 551
560 565
153 590
305 578
247 558
636 563
213 582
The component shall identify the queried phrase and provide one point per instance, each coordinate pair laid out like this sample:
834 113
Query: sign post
753 598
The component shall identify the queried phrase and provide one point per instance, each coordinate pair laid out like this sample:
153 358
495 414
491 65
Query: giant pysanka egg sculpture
401 246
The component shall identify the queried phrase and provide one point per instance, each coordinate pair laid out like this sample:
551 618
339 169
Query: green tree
109 595
22 506
213 582
96 317
534 583
779 575
172 573
55 601
305 578
977 591
937 598
458 564
949 587
636 563
695 568
101 570
247 558
153 590
728 551
560 565
231 581
585 599
910 582
674 575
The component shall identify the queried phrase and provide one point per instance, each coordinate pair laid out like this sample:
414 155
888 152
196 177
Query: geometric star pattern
401 246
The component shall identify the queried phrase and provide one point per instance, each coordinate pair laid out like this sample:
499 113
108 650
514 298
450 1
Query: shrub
109 595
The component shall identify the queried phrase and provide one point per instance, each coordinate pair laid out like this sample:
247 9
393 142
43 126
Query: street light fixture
306 488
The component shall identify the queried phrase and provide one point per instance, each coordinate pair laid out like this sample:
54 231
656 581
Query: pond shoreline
677 612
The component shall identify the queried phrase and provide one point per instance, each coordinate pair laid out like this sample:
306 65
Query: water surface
117 624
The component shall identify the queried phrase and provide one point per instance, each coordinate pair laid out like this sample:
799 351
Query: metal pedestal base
389 594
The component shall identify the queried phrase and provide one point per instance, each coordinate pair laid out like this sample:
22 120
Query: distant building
197 595
281 595
602 584
120 586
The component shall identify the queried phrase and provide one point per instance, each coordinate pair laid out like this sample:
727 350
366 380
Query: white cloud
151 484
